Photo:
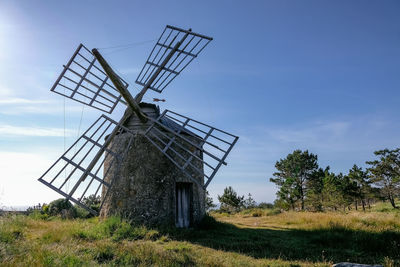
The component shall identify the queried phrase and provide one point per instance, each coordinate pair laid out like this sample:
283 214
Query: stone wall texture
144 183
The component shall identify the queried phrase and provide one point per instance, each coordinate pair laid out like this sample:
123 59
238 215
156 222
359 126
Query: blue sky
282 75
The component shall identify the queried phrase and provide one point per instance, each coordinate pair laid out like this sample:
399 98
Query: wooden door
183 205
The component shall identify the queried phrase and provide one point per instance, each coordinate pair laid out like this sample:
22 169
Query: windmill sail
174 50
70 175
83 80
194 147
93 163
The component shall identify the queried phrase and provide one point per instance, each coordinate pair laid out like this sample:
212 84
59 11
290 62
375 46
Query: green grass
386 207
270 238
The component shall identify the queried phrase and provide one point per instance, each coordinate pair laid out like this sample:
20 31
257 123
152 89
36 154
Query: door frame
190 187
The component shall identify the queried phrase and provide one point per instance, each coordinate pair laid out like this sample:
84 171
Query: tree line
303 185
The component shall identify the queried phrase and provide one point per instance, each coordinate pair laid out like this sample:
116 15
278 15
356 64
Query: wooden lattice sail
195 148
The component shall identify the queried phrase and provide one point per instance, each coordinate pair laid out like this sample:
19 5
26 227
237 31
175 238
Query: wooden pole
132 107
120 87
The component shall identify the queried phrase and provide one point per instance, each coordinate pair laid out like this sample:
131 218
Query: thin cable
127 45
80 121
116 51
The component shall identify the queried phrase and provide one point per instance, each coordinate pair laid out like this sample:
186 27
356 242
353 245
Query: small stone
349 264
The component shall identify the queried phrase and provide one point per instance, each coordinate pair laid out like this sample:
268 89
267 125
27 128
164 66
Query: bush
62 207
82 213
38 215
117 229
257 213
273 212
264 205
92 202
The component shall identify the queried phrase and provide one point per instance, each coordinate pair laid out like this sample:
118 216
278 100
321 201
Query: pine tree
294 172
362 184
209 202
230 200
385 173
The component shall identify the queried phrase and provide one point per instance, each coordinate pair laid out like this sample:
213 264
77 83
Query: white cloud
338 143
310 133
5 91
9 130
10 103
18 100
36 108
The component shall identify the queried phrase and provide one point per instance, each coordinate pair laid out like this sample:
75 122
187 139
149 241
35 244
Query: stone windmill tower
149 166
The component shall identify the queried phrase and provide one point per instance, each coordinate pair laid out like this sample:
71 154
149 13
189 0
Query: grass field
251 238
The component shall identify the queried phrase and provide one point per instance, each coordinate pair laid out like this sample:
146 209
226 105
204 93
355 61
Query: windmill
187 148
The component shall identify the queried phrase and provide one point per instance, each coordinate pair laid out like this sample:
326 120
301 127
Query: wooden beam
120 87
99 153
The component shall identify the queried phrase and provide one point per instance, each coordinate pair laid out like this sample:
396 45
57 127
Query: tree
292 176
362 182
349 191
287 195
332 192
385 173
315 187
249 202
209 202
230 201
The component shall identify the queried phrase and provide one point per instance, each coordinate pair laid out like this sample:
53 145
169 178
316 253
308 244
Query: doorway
183 204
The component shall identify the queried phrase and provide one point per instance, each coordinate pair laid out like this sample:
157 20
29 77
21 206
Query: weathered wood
98 155
120 87
140 95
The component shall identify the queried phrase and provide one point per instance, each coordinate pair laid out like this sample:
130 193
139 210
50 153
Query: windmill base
149 189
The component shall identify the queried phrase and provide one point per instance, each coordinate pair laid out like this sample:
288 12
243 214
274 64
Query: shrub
92 202
273 212
264 205
117 229
257 213
62 207
45 209
38 215
82 213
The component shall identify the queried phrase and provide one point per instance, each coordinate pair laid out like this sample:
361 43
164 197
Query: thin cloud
9 130
8 97
18 100
5 91
50 108
318 132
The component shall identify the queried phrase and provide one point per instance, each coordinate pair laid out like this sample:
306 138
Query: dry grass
285 239
355 220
